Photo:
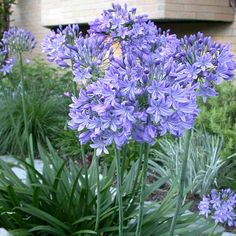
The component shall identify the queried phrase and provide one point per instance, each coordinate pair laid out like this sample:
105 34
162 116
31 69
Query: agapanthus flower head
90 58
18 40
220 206
135 96
206 63
6 64
150 89
58 45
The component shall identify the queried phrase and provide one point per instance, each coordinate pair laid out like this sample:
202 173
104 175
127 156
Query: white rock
4 232
228 234
20 173
8 159
38 164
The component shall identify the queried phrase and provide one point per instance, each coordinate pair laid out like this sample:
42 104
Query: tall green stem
182 180
123 161
23 91
23 98
98 194
135 184
84 164
119 192
212 231
142 193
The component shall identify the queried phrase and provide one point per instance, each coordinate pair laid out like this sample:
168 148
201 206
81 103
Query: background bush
46 106
218 116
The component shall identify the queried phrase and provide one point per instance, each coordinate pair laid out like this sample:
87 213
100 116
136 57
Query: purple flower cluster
68 48
18 40
145 90
58 45
6 65
14 41
206 63
220 206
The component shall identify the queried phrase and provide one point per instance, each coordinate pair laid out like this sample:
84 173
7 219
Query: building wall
56 12
220 32
211 10
70 11
27 14
35 14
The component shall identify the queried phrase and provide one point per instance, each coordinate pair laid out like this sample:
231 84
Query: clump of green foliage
218 116
46 106
59 201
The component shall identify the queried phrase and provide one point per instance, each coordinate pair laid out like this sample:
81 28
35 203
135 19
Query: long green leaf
51 220
47 229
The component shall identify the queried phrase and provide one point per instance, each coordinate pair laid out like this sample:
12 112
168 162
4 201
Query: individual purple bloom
110 122
18 40
7 66
100 146
159 108
157 89
85 137
204 62
205 92
125 112
170 124
204 207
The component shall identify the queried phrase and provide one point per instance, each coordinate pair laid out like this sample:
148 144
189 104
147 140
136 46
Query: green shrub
218 116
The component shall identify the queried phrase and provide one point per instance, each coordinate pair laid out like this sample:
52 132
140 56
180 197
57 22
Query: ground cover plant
133 83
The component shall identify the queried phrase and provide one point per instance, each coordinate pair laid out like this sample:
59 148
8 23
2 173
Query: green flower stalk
182 179
98 194
17 41
119 192
142 194
23 95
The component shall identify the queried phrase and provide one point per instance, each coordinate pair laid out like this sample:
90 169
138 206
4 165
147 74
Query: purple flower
159 108
206 63
6 64
220 205
147 90
89 58
204 207
59 45
18 40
